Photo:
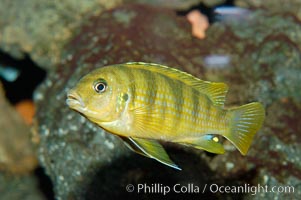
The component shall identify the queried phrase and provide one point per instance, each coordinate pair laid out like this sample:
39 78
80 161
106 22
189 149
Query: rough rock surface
279 7
262 64
73 150
41 28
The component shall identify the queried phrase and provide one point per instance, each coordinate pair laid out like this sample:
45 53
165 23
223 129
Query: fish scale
145 102
177 108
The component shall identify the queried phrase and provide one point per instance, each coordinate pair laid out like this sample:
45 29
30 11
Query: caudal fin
245 121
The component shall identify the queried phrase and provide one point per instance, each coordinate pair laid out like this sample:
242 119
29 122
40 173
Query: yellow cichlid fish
144 102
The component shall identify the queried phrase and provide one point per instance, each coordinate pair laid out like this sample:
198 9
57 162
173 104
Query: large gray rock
279 7
82 160
41 28
261 62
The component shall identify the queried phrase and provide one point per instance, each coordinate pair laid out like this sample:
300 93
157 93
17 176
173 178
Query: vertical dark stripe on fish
132 85
159 101
195 108
180 104
121 77
172 98
207 108
144 78
186 110
152 83
153 87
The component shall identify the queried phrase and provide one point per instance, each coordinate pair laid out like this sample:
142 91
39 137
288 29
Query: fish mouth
74 101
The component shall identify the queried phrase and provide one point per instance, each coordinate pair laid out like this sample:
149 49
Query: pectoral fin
132 146
151 149
208 143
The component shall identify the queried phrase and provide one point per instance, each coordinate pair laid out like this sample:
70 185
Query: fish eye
100 86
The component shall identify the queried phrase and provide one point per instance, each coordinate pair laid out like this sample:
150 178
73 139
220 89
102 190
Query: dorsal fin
216 92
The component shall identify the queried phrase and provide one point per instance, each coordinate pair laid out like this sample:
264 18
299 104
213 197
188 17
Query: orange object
26 109
199 23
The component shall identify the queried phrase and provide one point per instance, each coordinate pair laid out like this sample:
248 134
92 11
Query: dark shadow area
30 76
153 178
44 183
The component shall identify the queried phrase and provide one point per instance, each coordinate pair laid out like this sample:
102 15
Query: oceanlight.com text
190 188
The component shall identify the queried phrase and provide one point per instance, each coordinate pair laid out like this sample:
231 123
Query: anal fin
208 143
150 148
